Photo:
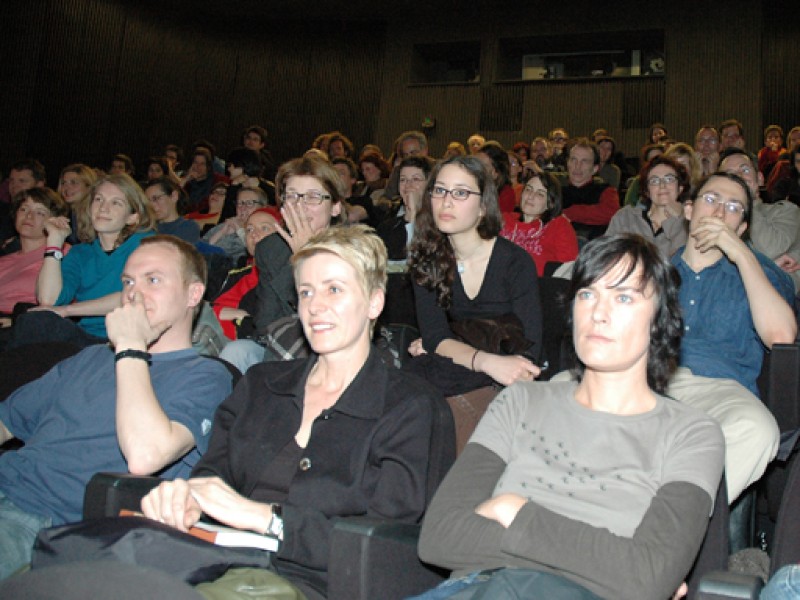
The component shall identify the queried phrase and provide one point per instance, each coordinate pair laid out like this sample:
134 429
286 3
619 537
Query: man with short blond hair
144 403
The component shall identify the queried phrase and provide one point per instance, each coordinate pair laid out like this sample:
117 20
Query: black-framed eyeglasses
459 194
312 198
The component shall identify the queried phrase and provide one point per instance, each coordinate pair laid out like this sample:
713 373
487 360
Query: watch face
58 254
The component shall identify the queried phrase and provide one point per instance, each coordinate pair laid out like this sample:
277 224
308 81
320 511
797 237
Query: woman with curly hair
463 271
661 219
571 488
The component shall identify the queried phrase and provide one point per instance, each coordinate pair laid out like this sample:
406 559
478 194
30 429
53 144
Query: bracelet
138 354
473 359
54 248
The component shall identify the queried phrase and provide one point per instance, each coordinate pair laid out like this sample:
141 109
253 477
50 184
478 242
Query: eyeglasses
457 193
743 169
312 198
156 197
708 140
656 181
248 203
220 191
531 190
412 180
732 207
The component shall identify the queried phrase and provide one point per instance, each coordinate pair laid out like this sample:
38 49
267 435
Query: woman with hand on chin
462 270
540 227
597 485
665 187
87 284
301 443
311 192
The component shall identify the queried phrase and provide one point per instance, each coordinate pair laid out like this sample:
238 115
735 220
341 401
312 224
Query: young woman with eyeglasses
540 228
311 194
462 270
665 187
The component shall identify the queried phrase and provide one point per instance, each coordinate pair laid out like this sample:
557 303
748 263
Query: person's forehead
247 195
735 162
258 218
21 173
581 152
729 190
409 172
156 256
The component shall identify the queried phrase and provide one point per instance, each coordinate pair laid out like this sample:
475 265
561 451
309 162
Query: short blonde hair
358 246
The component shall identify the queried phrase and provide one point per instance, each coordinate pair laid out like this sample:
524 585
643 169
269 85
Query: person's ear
133 219
336 209
196 291
376 303
688 207
741 228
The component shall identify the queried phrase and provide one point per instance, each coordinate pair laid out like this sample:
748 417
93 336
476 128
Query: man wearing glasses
735 302
774 227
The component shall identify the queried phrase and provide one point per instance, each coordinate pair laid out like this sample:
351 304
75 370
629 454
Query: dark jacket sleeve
651 564
276 294
526 301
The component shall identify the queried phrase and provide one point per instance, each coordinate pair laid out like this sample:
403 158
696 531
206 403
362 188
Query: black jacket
367 455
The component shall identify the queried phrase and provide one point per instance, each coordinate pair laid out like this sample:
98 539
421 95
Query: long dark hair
431 258
598 257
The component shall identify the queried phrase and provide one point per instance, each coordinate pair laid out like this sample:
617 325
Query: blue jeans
243 354
18 530
784 585
452 586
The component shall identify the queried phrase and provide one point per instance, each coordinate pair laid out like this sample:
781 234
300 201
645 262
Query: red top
506 199
556 241
232 298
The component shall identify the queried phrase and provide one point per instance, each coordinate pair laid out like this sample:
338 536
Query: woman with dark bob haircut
571 487
463 271
665 186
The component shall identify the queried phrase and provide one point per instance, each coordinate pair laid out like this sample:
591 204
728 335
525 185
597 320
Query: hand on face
713 232
298 225
129 327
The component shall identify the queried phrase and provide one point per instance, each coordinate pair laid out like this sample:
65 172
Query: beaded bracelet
138 354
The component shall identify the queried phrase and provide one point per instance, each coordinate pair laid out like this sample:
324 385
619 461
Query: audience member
229 235
608 171
461 270
339 146
311 200
255 138
20 268
731 134
74 184
216 202
578 489
200 178
237 302
169 203
558 139
24 175
657 133
735 303
782 167
122 164
157 167
587 203
706 144
495 159
684 154
772 150
660 219
633 196
475 142
145 406
540 227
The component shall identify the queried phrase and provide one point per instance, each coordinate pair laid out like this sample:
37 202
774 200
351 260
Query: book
225 536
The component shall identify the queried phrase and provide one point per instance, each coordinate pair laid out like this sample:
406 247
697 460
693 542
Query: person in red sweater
495 158
237 302
541 228
589 204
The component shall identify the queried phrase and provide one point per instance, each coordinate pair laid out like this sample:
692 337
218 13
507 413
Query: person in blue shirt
736 304
169 204
143 404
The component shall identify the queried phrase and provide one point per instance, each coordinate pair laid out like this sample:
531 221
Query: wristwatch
275 527
57 254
